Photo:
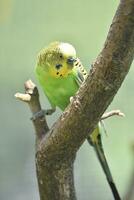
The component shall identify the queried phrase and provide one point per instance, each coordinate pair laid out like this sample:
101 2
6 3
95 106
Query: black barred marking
81 68
57 73
76 64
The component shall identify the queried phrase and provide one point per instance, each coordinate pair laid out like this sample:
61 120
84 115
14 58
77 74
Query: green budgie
60 74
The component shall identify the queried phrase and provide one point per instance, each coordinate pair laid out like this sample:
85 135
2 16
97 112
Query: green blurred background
26 27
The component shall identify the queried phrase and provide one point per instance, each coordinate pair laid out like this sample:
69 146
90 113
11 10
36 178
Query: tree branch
112 113
31 97
56 151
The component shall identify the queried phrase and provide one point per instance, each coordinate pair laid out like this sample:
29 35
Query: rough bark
56 148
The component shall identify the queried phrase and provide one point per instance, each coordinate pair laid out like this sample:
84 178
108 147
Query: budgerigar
60 74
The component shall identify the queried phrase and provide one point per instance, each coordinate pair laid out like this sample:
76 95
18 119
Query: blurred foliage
26 27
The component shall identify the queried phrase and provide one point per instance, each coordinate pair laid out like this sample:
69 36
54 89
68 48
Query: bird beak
71 60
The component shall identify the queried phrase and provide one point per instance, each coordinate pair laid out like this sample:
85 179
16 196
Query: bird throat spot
58 67
58 74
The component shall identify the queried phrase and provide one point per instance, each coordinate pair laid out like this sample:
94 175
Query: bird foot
42 113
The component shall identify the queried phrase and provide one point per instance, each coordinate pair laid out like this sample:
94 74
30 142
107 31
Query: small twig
31 96
112 113
29 91
23 97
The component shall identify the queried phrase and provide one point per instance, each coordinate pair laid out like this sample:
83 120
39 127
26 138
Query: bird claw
49 111
42 113
71 99
39 114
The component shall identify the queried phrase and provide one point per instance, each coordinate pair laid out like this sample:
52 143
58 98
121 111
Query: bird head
57 59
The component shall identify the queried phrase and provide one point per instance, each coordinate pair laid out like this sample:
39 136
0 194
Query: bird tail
95 140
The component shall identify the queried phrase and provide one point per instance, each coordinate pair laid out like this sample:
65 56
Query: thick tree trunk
56 181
